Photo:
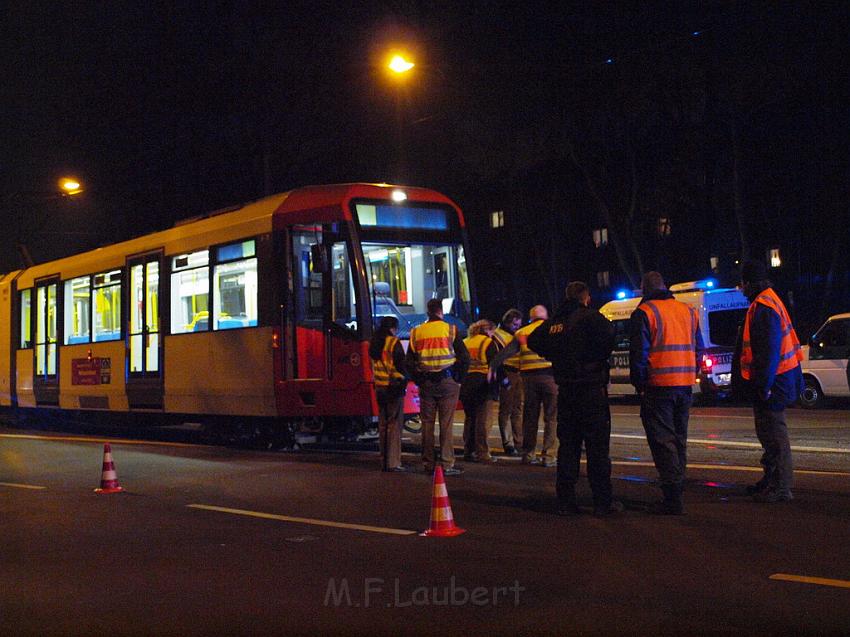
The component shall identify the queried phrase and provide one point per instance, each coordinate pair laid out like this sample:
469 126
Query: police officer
388 370
770 358
578 340
510 385
440 359
663 356
539 388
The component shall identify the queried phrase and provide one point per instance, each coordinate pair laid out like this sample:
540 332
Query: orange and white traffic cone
442 523
108 478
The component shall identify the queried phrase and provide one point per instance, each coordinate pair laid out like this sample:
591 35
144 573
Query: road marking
114 441
749 445
21 486
820 581
732 467
287 518
693 415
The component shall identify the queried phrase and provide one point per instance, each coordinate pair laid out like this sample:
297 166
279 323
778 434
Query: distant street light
399 65
70 186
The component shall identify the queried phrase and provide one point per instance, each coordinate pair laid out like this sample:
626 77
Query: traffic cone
108 479
442 522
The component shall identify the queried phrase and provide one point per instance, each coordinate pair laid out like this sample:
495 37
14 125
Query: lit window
26 319
603 279
190 292
715 264
600 237
106 302
497 219
775 260
77 307
664 227
235 287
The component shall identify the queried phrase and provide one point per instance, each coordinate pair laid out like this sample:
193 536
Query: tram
258 314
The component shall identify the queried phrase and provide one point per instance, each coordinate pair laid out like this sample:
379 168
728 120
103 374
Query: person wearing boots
476 393
666 344
578 340
769 361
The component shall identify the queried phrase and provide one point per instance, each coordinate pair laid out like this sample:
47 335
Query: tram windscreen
403 277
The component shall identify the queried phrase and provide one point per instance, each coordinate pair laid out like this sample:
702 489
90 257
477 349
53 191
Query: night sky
169 109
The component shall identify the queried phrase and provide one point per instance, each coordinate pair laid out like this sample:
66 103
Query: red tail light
707 362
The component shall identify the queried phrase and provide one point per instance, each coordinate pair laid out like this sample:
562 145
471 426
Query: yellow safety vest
503 338
384 370
477 346
433 342
529 359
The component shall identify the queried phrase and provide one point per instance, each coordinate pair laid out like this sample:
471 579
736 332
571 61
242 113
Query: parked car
825 362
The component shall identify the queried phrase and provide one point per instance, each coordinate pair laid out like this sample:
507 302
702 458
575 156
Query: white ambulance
720 312
825 362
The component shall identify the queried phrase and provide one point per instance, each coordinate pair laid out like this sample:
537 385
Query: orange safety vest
477 346
790 354
529 359
384 369
503 338
673 336
433 342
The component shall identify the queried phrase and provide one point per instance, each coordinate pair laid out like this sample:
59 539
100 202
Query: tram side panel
91 376
6 337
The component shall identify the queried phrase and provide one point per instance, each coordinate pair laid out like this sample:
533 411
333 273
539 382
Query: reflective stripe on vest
673 335
503 338
790 354
528 358
384 370
477 346
433 341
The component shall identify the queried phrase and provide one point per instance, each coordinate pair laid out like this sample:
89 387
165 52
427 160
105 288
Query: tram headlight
399 195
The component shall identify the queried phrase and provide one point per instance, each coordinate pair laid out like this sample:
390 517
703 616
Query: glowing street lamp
70 186
399 65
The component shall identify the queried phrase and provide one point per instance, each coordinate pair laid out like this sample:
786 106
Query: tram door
310 361
144 349
46 381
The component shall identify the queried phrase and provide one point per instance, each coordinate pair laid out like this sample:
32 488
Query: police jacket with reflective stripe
666 342
388 365
481 347
529 360
578 340
435 346
504 338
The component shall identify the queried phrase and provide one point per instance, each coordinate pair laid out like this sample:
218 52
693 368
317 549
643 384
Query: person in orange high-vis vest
388 371
769 358
476 393
439 360
666 344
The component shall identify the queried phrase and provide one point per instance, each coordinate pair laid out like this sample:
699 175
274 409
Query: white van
720 311
825 362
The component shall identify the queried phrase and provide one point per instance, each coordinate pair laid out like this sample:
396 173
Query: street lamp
70 186
400 65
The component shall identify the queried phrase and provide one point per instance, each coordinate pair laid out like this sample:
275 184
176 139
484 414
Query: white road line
287 518
693 415
732 467
748 445
21 486
114 441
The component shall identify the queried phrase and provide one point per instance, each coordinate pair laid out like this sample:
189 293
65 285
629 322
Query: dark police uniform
578 341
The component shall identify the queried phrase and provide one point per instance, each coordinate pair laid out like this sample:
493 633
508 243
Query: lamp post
400 68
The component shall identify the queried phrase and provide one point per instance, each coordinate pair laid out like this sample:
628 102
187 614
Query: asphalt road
211 540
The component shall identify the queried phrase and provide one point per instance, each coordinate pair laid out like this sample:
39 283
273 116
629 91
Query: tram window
45 330
345 309
26 319
190 292
235 298
308 283
77 317
106 299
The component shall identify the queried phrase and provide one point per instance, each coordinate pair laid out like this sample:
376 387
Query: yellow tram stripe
21 486
114 441
287 518
803 579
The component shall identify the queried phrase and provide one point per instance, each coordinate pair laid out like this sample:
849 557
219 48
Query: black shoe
758 487
772 495
666 507
614 508
399 469
511 451
568 509
469 457
452 471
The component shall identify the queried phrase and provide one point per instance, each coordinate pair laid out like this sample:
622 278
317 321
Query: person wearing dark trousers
510 385
578 341
477 393
439 361
769 362
389 372
666 344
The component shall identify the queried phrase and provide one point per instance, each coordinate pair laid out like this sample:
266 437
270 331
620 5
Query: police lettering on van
720 312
